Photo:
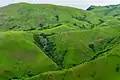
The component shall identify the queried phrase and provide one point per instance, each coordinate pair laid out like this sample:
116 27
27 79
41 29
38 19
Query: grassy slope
19 56
110 15
100 68
77 53
103 68
74 35
24 16
109 10
78 48
77 44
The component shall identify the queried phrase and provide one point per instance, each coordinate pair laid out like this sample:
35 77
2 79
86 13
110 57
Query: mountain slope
75 47
110 15
50 42
20 57
24 16
104 68
109 10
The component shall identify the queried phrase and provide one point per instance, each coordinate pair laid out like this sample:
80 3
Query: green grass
76 42
100 68
109 10
24 16
103 68
19 56
50 42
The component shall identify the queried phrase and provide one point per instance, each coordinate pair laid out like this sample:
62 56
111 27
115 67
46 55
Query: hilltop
25 17
109 10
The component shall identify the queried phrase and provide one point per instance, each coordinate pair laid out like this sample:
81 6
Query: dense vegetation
50 42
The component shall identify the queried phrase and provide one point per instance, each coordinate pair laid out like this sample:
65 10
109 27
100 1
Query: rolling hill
20 57
50 42
24 16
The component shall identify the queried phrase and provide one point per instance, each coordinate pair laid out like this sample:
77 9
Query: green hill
50 42
109 10
110 15
20 57
103 68
24 16
103 65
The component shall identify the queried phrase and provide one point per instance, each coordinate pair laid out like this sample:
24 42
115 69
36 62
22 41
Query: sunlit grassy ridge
24 16
50 42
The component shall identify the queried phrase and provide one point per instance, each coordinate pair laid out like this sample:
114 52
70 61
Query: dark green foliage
93 74
41 26
92 47
80 26
48 46
30 29
57 18
84 18
13 27
60 58
74 65
78 75
118 68
101 22
30 74
15 78
90 8
57 25
99 53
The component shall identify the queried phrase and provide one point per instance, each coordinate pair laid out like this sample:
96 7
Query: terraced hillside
50 42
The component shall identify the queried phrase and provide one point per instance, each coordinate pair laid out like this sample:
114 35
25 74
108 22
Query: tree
57 18
41 26
92 47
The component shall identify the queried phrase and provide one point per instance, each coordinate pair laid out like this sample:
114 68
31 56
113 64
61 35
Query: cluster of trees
92 47
49 47
118 68
109 44
84 18
48 26
80 26
22 77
